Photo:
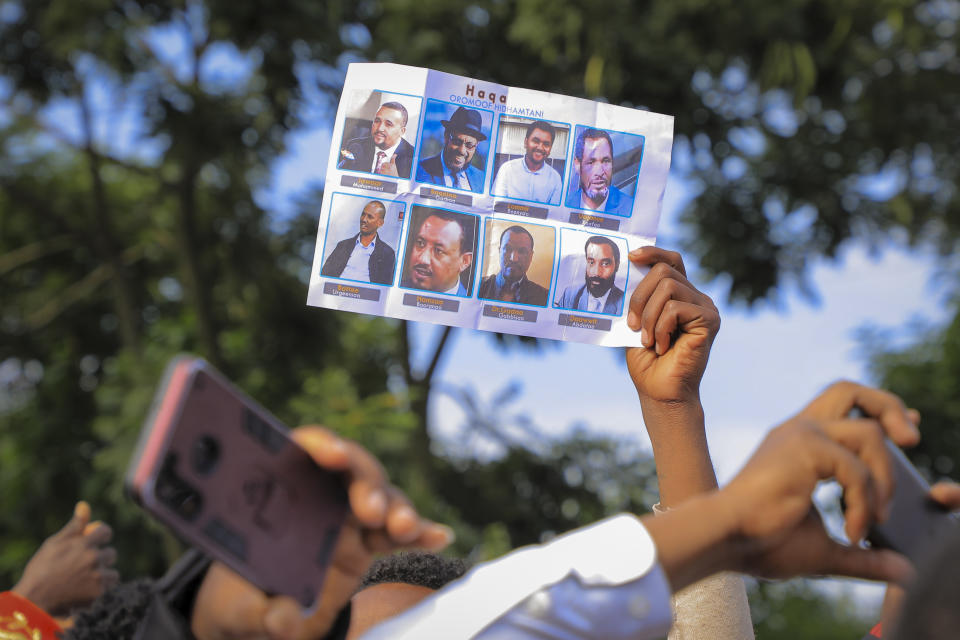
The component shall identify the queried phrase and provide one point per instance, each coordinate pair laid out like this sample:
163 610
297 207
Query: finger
865 438
666 289
229 606
77 522
98 535
947 494
869 564
639 314
841 397
107 557
680 316
403 522
326 448
652 254
434 537
914 416
836 461
366 480
282 619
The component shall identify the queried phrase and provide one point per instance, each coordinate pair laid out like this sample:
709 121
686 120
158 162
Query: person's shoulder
359 143
405 148
383 246
569 293
429 166
619 202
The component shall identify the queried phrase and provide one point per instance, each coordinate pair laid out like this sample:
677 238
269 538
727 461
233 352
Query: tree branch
438 350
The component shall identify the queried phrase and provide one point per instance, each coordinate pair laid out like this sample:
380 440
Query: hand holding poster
471 204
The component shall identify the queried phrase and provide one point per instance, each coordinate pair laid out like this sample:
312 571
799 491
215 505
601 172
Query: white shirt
597 304
358 266
392 150
454 290
585 204
601 581
515 180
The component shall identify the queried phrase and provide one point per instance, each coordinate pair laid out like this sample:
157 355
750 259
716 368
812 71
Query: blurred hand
820 443
840 398
677 325
389 168
772 499
382 520
72 567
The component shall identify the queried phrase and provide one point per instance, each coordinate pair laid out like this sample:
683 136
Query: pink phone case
224 474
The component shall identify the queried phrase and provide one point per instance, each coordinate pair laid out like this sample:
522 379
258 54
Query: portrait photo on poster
530 159
454 146
604 169
592 274
517 262
361 239
440 249
379 133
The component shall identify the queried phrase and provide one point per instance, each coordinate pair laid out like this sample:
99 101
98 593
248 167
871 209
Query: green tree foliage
131 227
926 374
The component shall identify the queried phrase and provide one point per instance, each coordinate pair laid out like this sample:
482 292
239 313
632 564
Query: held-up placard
462 202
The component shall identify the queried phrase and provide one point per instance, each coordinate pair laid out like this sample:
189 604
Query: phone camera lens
205 454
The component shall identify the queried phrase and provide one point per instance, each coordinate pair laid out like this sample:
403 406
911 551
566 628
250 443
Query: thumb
870 564
79 521
282 619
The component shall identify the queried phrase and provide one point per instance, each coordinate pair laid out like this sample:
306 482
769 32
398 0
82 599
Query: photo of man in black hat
453 167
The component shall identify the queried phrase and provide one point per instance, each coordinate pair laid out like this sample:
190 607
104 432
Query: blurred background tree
137 135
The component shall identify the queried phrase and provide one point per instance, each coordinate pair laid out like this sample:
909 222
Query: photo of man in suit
384 151
598 293
451 167
440 250
364 257
593 173
510 284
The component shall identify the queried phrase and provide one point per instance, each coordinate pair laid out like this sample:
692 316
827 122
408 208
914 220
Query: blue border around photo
489 221
567 160
406 235
418 158
416 138
624 261
326 236
570 170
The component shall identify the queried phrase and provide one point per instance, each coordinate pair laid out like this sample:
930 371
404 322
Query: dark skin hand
764 523
72 568
869 493
228 607
678 324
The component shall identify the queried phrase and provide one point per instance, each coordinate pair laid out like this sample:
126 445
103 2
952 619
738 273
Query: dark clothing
160 610
382 261
576 298
526 292
430 170
363 151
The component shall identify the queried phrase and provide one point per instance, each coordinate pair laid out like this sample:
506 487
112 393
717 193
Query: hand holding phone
916 522
199 428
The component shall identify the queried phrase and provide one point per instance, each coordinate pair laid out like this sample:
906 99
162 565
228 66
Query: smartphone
916 523
225 476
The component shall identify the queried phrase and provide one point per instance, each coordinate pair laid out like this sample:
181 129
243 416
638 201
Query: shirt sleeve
599 581
715 608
